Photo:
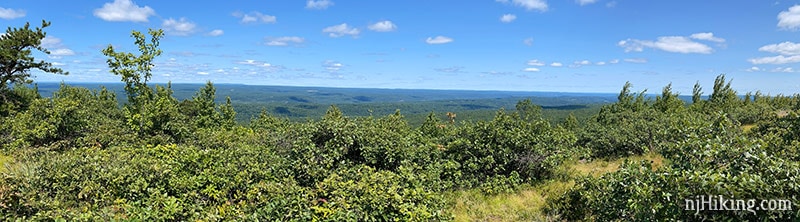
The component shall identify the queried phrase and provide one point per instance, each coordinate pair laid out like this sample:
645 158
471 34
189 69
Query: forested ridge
81 155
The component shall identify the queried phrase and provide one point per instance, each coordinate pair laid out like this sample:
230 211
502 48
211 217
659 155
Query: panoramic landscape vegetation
104 134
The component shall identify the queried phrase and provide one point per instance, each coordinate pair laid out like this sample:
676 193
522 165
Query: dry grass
527 204
599 167
782 113
5 162
747 127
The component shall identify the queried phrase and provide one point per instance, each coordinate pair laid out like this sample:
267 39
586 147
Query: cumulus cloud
788 52
216 32
556 64
321 4
754 69
284 41
56 47
528 41
708 36
677 44
51 42
600 63
341 30
531 69
332 66
779 59
255 17
783 48
540 5
508 18
636 60
202 73
535 62
585 2
438 40
383 26
8 13
260 66
614 61
497 73
62 52
180 27
790 19
124 11
783 69
582 62
454 69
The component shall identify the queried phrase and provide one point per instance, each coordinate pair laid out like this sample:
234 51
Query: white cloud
531 69
528 41
790 19
783 69
181 27
779 59
56 48
783 48
454 69
540 5
535 62
438 40
383 26
708 36
341 30
583 62
254 17
614 61
321 4
788 52
496 73
585 2
124 11
678 44
51 42
8 13
259 66
556 64
216 32
332 66
58 64
508 18
62 52
600 63
636 60
284 41
754 69
202 73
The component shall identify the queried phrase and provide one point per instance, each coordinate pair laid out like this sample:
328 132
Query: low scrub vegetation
79 155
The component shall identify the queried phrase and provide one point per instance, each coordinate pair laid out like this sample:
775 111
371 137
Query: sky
513 45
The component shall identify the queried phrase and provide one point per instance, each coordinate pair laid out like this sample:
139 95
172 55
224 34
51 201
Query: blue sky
519 45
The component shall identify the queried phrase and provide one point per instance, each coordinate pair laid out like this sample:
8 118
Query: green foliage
510 147
362 193
669 102
735 168
72 117
79 156
16 61
134 70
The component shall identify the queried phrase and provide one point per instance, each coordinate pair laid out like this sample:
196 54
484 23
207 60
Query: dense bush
513 147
